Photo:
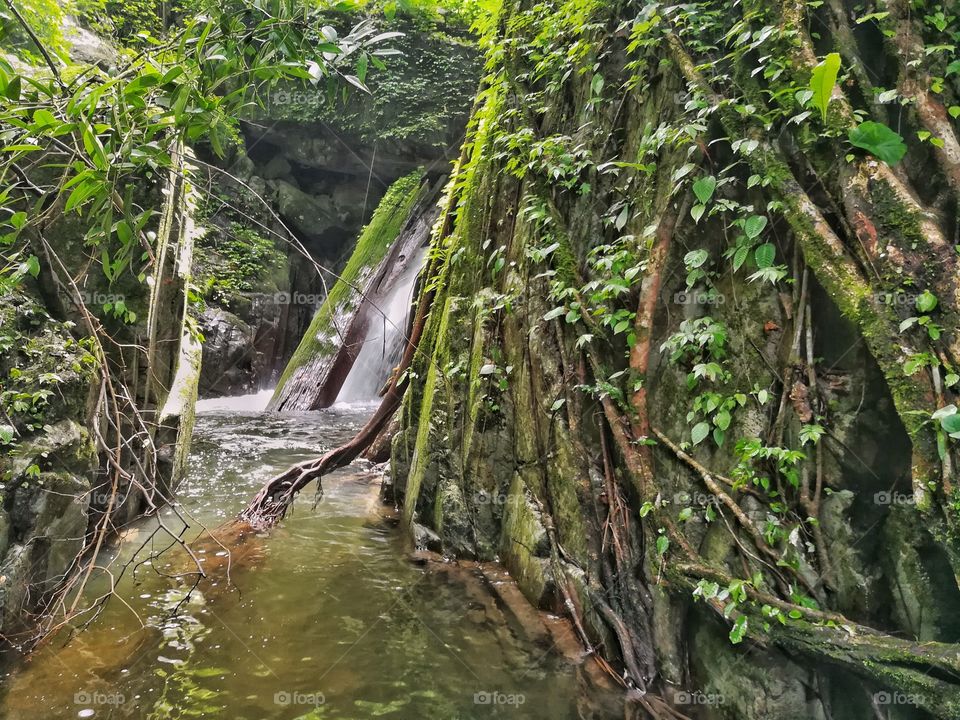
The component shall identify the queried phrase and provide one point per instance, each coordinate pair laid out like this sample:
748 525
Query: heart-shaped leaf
754 226
950 423
722 419
704 187
879 140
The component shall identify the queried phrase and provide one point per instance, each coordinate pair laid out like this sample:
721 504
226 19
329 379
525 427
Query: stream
330 618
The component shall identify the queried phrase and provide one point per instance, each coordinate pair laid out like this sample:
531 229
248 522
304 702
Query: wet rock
229 355
426 539
278 168
742 682
851 580
87 47
310 216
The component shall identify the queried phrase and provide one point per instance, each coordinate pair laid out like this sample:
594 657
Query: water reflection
326 618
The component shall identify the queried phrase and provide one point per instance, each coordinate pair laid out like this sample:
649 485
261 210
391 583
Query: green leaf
355 81
754 226
911 365
879 140
926 301
623 217
13 89
6 434
696 212
822 82
663 542
722 420
765 255
44 118
704 187
33 265
596 85
695 258
738 630
950 423
943 412
362 65
740 257
699 432
872 16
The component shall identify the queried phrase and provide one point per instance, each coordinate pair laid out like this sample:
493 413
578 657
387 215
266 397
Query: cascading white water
253 403
383 344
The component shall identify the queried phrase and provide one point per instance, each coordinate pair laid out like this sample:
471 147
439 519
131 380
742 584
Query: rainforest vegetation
665 299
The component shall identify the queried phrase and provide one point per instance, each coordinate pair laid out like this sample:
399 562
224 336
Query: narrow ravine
330 618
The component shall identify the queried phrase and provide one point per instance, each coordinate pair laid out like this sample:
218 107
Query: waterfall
383 345
253 403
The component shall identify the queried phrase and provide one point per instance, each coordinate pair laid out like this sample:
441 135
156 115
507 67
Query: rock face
88 47
65 397
46 483
674 410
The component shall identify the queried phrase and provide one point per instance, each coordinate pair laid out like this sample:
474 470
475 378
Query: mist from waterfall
383 345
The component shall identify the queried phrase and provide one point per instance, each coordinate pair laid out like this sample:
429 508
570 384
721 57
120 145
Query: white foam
257 402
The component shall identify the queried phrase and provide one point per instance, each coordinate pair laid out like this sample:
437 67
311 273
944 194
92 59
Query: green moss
895 220
416 98
239 258
372 246
418 463
45 373
521 533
